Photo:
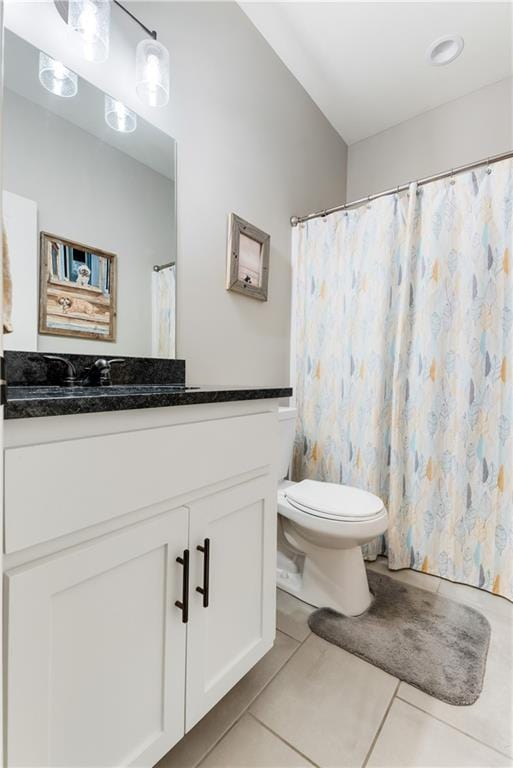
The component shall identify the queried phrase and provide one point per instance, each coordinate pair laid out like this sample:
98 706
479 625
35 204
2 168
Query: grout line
454 728
380 727
396 574
476 590
292 636
249 704
219 740
284 741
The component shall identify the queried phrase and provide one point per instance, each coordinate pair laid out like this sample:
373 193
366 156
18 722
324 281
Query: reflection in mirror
101 180
77 291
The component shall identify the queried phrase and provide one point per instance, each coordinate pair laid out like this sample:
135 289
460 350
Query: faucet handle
102 362
71 378
103 367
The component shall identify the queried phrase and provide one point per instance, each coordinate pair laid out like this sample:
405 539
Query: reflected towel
7 284
163 312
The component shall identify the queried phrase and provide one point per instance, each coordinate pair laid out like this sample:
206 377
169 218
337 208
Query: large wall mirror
89 204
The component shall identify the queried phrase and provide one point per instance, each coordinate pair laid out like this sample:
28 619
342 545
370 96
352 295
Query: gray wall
89 192
250 140
464 130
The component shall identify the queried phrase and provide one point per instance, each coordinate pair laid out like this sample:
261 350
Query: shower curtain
404 348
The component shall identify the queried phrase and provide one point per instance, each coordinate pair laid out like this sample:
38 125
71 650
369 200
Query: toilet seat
332 501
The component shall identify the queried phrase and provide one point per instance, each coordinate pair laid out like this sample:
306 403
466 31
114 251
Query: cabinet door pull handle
183 604
205 589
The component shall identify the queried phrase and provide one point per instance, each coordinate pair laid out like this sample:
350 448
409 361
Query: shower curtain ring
368 202
488 169
453 180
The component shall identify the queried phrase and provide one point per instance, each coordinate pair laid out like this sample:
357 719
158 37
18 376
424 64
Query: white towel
7 284
163 312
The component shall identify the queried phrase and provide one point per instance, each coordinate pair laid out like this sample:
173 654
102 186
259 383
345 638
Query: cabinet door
96 650
229 636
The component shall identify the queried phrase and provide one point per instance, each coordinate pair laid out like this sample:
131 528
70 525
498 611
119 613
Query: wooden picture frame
77 295
248 259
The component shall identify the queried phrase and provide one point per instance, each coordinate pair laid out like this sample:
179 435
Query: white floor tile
490 719
412 739
415 578
194 746
250 745
292 615
477 598
326 703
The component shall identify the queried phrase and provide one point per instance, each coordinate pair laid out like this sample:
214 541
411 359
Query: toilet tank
287 420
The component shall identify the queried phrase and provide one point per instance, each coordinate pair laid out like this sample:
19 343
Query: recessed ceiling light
444 50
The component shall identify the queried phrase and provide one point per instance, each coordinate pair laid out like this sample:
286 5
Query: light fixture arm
150 32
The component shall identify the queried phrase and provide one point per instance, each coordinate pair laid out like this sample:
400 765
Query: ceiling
363 63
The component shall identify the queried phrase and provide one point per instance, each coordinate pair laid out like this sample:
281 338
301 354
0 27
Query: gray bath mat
428 641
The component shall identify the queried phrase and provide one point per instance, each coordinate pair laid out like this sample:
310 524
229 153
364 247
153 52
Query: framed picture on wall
77 290
248 259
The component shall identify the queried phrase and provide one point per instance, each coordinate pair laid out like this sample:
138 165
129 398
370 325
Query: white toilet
321 527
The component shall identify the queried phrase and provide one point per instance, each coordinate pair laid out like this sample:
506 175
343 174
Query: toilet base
324 578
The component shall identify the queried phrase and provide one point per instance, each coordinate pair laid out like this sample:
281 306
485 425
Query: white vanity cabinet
102 669
96 650
227 637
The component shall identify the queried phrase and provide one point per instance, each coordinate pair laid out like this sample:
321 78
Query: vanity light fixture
152 73
118 117
444 50
90 19
57 78
151 66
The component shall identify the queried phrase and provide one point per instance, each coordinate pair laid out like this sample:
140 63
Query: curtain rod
160 267
295 220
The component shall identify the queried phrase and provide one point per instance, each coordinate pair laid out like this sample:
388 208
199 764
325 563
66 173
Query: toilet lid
339 502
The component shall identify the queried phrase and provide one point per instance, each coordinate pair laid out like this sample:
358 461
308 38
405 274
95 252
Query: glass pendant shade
152 73
118 117
57 78
90 19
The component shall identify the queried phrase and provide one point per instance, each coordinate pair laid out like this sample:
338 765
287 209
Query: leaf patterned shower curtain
404 360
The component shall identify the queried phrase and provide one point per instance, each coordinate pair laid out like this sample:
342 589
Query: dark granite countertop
25 402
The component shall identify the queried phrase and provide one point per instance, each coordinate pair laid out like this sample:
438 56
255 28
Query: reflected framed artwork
77 290
248 259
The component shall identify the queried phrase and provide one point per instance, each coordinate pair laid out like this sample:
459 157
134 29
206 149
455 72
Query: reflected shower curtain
163 302
403 369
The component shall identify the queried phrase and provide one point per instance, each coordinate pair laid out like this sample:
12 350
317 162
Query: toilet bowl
321 528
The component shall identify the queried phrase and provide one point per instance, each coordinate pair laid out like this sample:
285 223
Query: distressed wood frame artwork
77 295
248 259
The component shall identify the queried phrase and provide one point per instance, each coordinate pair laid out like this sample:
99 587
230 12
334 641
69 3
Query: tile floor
308 702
